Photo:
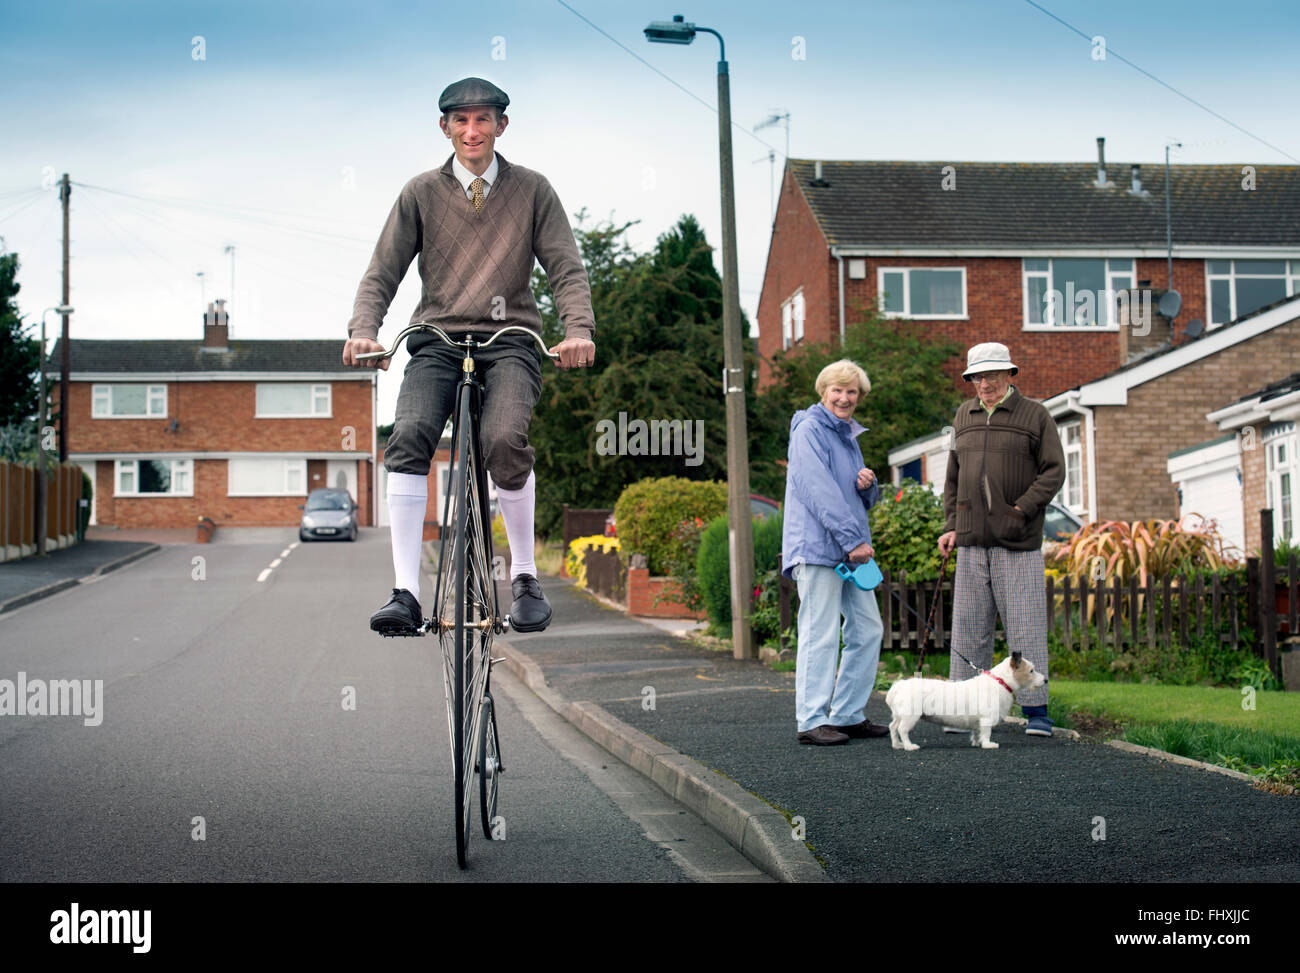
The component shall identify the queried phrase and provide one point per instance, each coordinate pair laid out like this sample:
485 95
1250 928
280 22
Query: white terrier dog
975 704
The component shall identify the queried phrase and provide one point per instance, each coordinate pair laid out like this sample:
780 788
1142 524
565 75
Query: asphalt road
223 700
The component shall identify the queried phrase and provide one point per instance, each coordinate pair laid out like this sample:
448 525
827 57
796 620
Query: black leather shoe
823 736
531 612
401 616
864 729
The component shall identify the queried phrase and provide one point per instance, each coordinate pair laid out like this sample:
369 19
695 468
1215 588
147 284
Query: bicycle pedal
402 633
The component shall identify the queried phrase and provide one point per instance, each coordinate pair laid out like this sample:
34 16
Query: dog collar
1000 682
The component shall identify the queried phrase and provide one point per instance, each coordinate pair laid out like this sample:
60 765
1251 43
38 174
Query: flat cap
472 91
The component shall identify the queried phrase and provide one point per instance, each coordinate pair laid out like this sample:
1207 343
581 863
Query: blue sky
293 135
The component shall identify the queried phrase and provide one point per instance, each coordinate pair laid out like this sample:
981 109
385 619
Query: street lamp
42 516
677 31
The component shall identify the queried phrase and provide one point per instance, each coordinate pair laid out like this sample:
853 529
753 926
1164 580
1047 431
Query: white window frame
317 390
179 467
1114 274
794 311
298 465
1282 435
1290 278
907 294
1074 449
101 401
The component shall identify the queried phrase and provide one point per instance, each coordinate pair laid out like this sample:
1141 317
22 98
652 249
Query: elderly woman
827 495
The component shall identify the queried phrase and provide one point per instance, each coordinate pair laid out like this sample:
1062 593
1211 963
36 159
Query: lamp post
42 505
677 31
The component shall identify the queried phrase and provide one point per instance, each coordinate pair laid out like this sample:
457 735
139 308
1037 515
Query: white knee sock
517 511
408 495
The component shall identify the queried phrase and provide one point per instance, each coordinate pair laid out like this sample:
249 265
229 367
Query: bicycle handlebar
462 345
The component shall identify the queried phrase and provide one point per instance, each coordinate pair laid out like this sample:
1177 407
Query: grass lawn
1201 722
1130 703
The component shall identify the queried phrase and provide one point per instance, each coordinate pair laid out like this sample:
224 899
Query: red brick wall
797 257
1168 413
1254 491
1049 362
643 590
220 416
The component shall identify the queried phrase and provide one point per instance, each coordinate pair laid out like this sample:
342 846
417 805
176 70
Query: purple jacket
825 512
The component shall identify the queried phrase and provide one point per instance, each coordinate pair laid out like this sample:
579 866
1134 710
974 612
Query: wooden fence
1173 611
20 508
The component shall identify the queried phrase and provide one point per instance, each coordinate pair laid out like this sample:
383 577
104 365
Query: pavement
32 578
719 735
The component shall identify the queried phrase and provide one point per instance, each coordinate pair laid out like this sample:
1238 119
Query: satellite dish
1195 327
1171 302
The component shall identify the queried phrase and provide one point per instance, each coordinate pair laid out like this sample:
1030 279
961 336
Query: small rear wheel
489 766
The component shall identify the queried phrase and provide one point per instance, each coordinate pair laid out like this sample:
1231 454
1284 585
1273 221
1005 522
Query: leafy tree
658 356
19 354
19 361
910 393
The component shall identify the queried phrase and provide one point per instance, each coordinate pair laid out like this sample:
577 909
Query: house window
154 477
792 318
1071 495
128 401
1279 442
922 292
266 477
292 400
1239 287
1073 292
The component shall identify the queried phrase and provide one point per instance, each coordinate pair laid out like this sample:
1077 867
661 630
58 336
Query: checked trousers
995 581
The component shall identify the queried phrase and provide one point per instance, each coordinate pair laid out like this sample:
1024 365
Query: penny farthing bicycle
466 614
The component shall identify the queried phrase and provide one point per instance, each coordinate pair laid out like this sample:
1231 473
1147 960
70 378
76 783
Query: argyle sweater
475 267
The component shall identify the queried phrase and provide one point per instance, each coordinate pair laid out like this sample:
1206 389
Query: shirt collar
466 177
979 403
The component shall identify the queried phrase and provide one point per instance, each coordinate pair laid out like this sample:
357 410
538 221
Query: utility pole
65 194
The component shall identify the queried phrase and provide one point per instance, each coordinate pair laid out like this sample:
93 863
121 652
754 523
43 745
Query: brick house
237 431
1252 466
974 251
1154 438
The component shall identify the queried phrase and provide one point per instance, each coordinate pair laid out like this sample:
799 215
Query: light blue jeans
821 695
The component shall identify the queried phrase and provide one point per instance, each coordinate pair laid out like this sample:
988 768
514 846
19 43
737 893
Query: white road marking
293 545
275 563
262 577
285 552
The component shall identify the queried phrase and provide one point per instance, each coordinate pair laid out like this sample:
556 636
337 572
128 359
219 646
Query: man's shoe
531 612
401 616
1040 724
866 728
824 736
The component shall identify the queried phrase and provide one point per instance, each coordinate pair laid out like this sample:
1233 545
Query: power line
1110 50
21 205
232 212
661 74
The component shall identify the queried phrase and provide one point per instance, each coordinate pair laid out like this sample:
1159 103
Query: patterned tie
476 187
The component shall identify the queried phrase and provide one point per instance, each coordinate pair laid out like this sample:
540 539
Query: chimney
1101 164
216 327
1136 189
817 179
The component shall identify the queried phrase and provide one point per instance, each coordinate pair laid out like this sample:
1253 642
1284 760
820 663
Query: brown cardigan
1012 458
475 268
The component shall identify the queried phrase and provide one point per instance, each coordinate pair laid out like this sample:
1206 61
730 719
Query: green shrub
713 566
905 529
649 511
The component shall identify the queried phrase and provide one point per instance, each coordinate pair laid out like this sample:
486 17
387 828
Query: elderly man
1005 463
476 224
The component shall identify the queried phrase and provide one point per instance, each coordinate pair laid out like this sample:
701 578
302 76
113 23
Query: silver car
328 513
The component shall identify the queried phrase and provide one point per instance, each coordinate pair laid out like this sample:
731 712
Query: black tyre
489 766
461 638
